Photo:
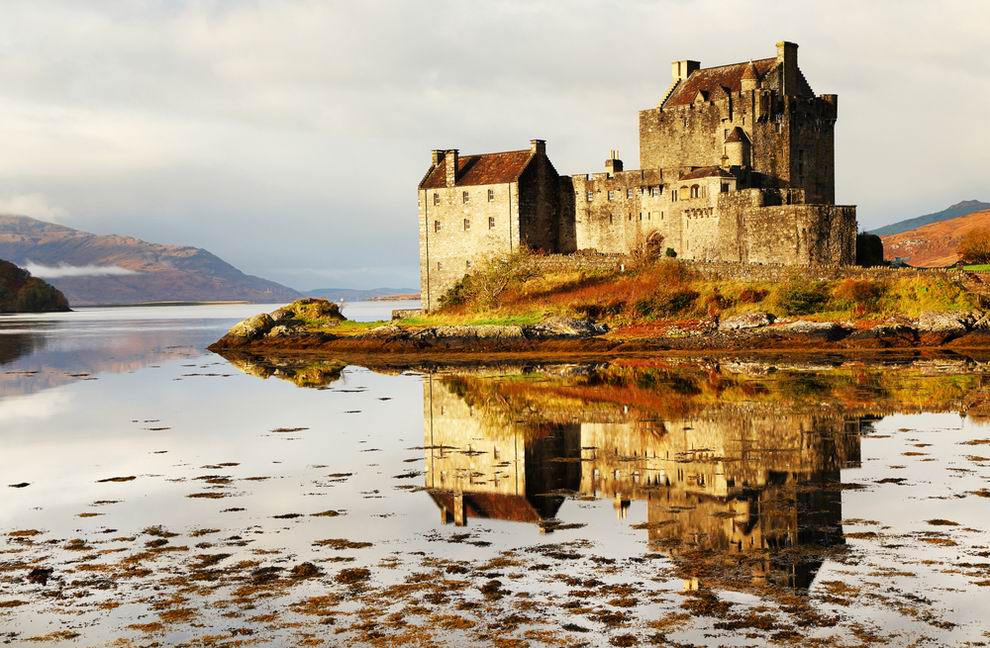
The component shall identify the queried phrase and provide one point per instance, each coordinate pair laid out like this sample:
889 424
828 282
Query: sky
288 136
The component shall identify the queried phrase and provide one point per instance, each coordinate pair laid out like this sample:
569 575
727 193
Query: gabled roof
486 168
706 172
725 77
737 134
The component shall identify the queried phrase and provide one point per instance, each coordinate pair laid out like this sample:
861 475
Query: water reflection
740 489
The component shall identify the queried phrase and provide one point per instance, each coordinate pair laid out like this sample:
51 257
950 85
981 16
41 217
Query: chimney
787 61
450 166
538 147
613 164
683 69
437 156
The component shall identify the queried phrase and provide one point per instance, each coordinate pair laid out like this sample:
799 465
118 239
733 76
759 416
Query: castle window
610 218
654 191
467 224
694 191
468 265
591 196
438 265
491 222
611 195
465 196
491 195
436 226
436 198
640 215
673 196
629 194
725 187
649 215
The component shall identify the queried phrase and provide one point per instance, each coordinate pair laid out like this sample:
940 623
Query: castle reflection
740 477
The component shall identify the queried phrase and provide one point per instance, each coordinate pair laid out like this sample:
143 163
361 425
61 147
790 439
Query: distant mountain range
955 211
352 294
94 269
934 244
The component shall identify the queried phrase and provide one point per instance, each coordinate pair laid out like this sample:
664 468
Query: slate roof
724 77
706 172
486 168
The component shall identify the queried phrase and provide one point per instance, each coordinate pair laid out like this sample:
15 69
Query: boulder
810 327
282 330
565 327
886 335
746 321
944 323
479 331
252 328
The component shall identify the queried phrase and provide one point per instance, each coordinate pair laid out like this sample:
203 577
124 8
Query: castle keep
736 164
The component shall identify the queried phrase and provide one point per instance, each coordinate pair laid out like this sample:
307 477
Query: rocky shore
314 326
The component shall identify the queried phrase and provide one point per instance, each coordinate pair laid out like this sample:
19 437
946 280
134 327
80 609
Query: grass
979 267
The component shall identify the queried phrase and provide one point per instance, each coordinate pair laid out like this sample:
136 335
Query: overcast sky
288 136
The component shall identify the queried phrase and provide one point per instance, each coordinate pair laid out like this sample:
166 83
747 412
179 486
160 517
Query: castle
736 165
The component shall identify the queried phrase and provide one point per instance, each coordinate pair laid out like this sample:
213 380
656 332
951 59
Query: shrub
493 277
975 246
802 298
752 295
665 305
860 294
869 250
670 252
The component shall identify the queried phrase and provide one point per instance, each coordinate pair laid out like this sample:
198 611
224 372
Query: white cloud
35 205
65 270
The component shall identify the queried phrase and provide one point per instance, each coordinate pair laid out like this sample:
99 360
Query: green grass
980 267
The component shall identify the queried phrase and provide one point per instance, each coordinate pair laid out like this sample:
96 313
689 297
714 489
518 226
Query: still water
155 493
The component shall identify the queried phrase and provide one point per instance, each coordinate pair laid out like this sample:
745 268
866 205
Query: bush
752 295
862 293
665 305
975 246
802 298
869 250
494 276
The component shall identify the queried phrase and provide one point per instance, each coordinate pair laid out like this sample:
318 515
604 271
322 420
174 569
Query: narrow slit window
491 222
491 195
467 224
436 226
436 199
465 196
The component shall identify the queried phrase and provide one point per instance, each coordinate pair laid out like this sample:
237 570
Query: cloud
35 205
288 133
65 270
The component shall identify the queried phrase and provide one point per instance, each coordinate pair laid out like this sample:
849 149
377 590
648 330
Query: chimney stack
683 69
613 164
450 167
437 156
788 62
538 146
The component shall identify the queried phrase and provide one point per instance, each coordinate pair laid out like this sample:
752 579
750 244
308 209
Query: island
22 293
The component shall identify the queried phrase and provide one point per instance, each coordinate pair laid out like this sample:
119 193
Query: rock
282 330
944 323
886 335
253 327
565 327
746 321
387 331
480 331
810 327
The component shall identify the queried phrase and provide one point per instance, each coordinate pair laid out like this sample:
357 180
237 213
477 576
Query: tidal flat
158 494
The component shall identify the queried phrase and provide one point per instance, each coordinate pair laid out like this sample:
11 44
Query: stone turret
737 148
750 79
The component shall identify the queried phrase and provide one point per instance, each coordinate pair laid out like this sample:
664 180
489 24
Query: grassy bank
513 290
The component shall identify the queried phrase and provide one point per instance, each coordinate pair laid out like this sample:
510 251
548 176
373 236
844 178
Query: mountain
959 209
353 294
94 269
934 244
22 293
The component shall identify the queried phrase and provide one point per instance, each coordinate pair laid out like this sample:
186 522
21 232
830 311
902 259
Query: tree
975 246
869 250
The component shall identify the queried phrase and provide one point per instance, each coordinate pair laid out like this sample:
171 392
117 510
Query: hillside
95 269
955 211
935 244
22 293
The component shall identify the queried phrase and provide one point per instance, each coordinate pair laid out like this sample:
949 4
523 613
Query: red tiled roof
706 172
736 135
487 168
708 80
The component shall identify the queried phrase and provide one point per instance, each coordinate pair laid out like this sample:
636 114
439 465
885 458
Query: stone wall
448 248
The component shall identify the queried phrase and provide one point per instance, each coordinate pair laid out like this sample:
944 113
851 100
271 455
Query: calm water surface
155 493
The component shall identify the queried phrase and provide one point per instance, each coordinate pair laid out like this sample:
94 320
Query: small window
629 194
436 226
436 198
491 222
467 224
438 265
468 265
654 191
591 196
465 196
491 195
640 215
611 195
610 218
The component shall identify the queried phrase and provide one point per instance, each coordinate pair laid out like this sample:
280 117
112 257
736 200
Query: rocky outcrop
746 321
299 318
564 327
